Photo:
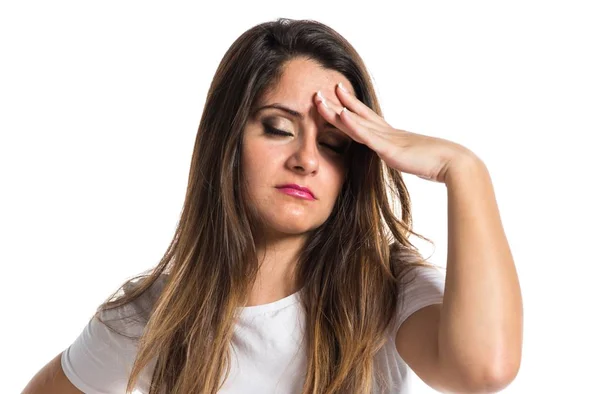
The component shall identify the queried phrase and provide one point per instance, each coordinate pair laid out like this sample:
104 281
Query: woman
289 272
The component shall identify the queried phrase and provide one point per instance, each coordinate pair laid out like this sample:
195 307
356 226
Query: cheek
251 155
338 174
259 162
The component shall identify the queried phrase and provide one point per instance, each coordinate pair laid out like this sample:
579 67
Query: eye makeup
270 129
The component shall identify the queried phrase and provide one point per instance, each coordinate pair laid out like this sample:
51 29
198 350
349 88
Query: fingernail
322 99
342 87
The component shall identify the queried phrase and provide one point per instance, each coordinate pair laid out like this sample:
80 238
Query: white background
100 104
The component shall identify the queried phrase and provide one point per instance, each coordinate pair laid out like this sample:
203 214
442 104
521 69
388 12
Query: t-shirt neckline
249 311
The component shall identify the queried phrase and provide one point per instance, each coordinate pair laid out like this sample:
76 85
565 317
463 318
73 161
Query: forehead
300 81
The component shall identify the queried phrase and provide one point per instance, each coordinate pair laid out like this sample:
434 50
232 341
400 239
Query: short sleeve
421 287
99 360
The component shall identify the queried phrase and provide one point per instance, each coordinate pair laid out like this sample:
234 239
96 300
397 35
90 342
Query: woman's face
311 156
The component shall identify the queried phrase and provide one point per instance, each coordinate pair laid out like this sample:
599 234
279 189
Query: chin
290 219
291 228
292 224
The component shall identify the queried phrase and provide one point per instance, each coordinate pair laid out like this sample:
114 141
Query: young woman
289 272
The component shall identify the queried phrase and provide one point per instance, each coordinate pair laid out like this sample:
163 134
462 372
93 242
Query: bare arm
51 380
481 320
472 342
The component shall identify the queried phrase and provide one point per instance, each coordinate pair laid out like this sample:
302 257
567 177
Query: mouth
297 191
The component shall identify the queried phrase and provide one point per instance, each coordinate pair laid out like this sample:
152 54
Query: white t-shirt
267 346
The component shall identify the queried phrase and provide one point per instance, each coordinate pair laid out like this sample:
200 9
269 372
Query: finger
330 108
351 122
355 105
342 118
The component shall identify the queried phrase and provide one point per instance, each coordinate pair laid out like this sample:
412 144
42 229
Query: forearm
480 332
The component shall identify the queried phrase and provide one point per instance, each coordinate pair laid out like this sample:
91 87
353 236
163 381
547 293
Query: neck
276 277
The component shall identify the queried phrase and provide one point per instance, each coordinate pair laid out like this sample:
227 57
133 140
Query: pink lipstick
297 191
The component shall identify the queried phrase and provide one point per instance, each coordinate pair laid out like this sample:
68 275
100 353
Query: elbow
494 380
477 380
502 369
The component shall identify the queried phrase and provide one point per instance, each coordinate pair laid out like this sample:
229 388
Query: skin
270 160
471 343
303 158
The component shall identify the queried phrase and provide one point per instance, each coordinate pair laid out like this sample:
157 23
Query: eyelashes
272 130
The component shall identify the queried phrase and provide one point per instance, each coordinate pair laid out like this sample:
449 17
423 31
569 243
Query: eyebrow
290 111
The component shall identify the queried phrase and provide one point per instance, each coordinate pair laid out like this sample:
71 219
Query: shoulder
419 286
415 274
100 358
129 319
417 322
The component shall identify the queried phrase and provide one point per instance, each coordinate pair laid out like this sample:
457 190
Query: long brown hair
350 268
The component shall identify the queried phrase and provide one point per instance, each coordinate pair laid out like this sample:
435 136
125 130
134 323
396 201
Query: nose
305 157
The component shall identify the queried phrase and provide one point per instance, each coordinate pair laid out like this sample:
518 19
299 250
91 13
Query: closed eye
272 130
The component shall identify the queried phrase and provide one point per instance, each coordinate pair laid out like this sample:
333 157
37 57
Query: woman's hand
426 157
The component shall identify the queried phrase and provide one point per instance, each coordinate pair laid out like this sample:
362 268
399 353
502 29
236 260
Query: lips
297 187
